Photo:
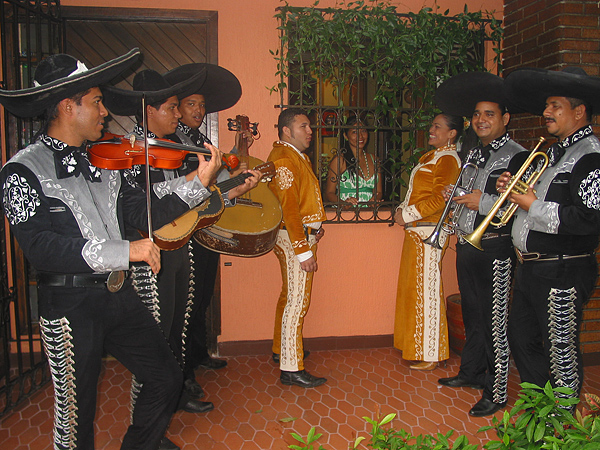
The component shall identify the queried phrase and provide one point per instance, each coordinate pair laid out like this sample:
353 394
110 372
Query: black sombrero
221 90
152 85
62 76
460 94
529 88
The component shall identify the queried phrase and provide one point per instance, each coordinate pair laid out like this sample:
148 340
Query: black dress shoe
193 389
167 444
458 381
212 363
276 356
485 407
301 378
196 406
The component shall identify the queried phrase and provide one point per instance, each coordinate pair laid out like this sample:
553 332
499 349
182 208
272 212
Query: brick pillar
551 34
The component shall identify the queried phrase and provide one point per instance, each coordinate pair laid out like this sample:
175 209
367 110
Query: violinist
220 91
169 294
67 217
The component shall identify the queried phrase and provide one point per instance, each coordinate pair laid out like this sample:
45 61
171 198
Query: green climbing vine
404 56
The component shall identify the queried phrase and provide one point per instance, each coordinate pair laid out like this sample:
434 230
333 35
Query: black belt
112 281
524 257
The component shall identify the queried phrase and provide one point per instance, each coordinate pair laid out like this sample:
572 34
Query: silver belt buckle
115 281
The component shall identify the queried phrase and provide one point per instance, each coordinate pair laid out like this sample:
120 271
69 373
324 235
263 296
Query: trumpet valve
520 187
460 191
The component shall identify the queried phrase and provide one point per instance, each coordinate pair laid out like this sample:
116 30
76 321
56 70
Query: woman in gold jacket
420 329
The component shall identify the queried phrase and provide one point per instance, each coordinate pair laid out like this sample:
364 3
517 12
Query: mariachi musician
169 292
484 277
67 216
220 91
555 230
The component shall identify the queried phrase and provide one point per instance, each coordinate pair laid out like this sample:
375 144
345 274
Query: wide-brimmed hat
152 85
460 94
62 76
529 87
221 90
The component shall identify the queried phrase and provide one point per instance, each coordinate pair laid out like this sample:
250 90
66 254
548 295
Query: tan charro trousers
292 305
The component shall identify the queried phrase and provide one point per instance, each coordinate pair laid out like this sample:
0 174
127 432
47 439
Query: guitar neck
227 185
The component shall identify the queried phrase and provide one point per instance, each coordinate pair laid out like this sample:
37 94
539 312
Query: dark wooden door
167 39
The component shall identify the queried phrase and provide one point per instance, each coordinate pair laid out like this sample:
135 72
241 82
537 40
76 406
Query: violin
114 152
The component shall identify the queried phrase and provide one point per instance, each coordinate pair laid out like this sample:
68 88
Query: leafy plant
391 439
538 414
404 57
593 402
310 440
540 420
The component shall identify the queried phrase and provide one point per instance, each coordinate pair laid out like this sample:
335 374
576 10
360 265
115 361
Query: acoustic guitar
177 233
250 227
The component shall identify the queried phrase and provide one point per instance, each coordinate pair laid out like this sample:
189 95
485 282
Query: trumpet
516 186
450 226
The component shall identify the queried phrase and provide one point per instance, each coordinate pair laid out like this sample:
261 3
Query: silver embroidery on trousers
563 335
56 335
500 302
189 304
136 388
144 283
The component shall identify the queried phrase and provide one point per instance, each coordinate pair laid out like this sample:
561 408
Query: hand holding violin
207 170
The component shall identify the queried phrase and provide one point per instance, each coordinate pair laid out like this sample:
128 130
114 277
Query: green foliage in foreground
540 420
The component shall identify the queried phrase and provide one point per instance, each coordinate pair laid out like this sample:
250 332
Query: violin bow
147 168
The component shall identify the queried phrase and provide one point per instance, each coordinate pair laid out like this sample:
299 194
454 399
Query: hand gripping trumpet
450 225
516 186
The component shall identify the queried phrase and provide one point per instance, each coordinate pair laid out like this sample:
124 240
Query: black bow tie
73 161
197 137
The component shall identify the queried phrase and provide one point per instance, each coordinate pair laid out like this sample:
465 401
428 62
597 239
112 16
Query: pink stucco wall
355 288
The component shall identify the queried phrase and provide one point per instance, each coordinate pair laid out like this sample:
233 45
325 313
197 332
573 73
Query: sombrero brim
530 88
221 90
127 102
33 102
460 94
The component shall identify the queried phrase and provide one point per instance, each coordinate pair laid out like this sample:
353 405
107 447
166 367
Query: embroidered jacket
188 136
73 224
297 188
424 200
566 217
195 138
492 160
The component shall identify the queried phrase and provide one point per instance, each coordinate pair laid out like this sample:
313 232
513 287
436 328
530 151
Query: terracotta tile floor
255 412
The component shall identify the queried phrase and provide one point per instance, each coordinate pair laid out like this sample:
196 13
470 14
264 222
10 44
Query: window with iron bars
375 168
351 150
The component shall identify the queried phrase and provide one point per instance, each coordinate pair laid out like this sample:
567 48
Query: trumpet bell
475 239
434 239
